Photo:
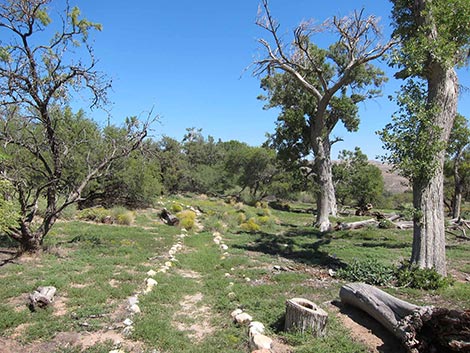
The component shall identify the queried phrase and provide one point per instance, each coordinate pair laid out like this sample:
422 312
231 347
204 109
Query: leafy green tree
317 88
173 164
37 79
434 38
356 179
9 213
458 161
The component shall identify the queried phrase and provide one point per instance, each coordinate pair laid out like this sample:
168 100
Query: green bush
386 224
187 219
369 271
94 214
250 226
420 278
125 218
175 208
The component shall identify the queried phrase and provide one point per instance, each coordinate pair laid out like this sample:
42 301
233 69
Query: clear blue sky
187 59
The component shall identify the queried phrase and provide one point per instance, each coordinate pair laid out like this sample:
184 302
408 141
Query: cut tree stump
42 297
305 316
419 328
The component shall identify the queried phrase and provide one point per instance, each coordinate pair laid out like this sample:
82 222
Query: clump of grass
369 271
94 214
412 276
250 226
187 219
122 216
175 208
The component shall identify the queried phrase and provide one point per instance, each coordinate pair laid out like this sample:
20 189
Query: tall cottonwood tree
435 38
40 137
326 83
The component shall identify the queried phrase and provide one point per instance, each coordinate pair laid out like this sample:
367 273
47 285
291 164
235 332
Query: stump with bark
41 297
305 316
168 218
419 328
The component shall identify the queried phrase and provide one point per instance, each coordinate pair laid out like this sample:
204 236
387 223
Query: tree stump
168 218
41 297
419 328
305 316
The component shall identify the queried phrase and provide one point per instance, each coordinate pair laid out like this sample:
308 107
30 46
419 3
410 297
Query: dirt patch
188 274
193 318
366 330
66 340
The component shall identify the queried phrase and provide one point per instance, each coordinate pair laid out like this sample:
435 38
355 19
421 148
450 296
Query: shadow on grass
300 245
385 245
8 250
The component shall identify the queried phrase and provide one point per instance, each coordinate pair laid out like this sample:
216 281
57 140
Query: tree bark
420 329
326 199
305 316
457 199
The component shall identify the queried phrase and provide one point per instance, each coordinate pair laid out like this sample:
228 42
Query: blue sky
187 60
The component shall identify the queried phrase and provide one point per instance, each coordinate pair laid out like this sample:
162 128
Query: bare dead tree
341 72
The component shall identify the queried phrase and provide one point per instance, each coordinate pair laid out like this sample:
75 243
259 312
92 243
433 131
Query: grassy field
274 257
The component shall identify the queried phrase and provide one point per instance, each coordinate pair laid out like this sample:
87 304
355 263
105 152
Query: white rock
223 247
151 273
135 309
117 351
151 282
248 279
133 300
331 272
227 274
231 284
231 295
163 269
216 234
243 318
256 328
168 263
235 313
217 241
261 341
225 254
128 322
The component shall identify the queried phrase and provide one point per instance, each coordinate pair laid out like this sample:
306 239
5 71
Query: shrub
250 226
125 218
241 217
386 224
368 271
95 214
187 219
175 208
420 278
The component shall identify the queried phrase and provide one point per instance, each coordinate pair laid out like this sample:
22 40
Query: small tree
41 137
356 179
316 88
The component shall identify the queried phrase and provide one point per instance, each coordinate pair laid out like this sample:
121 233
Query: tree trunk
428 192
420 329
326 199
303 315
457 200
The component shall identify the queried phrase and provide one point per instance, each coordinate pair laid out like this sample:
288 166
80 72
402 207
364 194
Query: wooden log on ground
168 218
356 225
42 297
419 328
404 225
305 316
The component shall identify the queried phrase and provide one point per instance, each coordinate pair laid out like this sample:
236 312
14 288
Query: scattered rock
134 309
235 313
128 322
260 341
151 273
256 328
243 318
151 282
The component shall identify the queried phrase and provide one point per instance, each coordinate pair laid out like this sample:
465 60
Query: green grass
96 267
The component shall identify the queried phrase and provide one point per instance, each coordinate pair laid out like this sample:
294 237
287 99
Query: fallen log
355 225
305 316
419 328
41 297
404 225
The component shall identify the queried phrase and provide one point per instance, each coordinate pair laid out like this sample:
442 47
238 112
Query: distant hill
394 183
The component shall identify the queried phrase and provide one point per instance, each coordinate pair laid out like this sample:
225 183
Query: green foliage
176 208
94 214
420 278
412 137
369 271
356 179
9 210
250 226
187 219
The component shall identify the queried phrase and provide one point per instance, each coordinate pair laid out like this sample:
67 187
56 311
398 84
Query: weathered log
404 225
305 316
42 297
419 328
355 225
168 218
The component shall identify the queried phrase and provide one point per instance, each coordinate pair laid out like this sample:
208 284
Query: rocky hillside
394 183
